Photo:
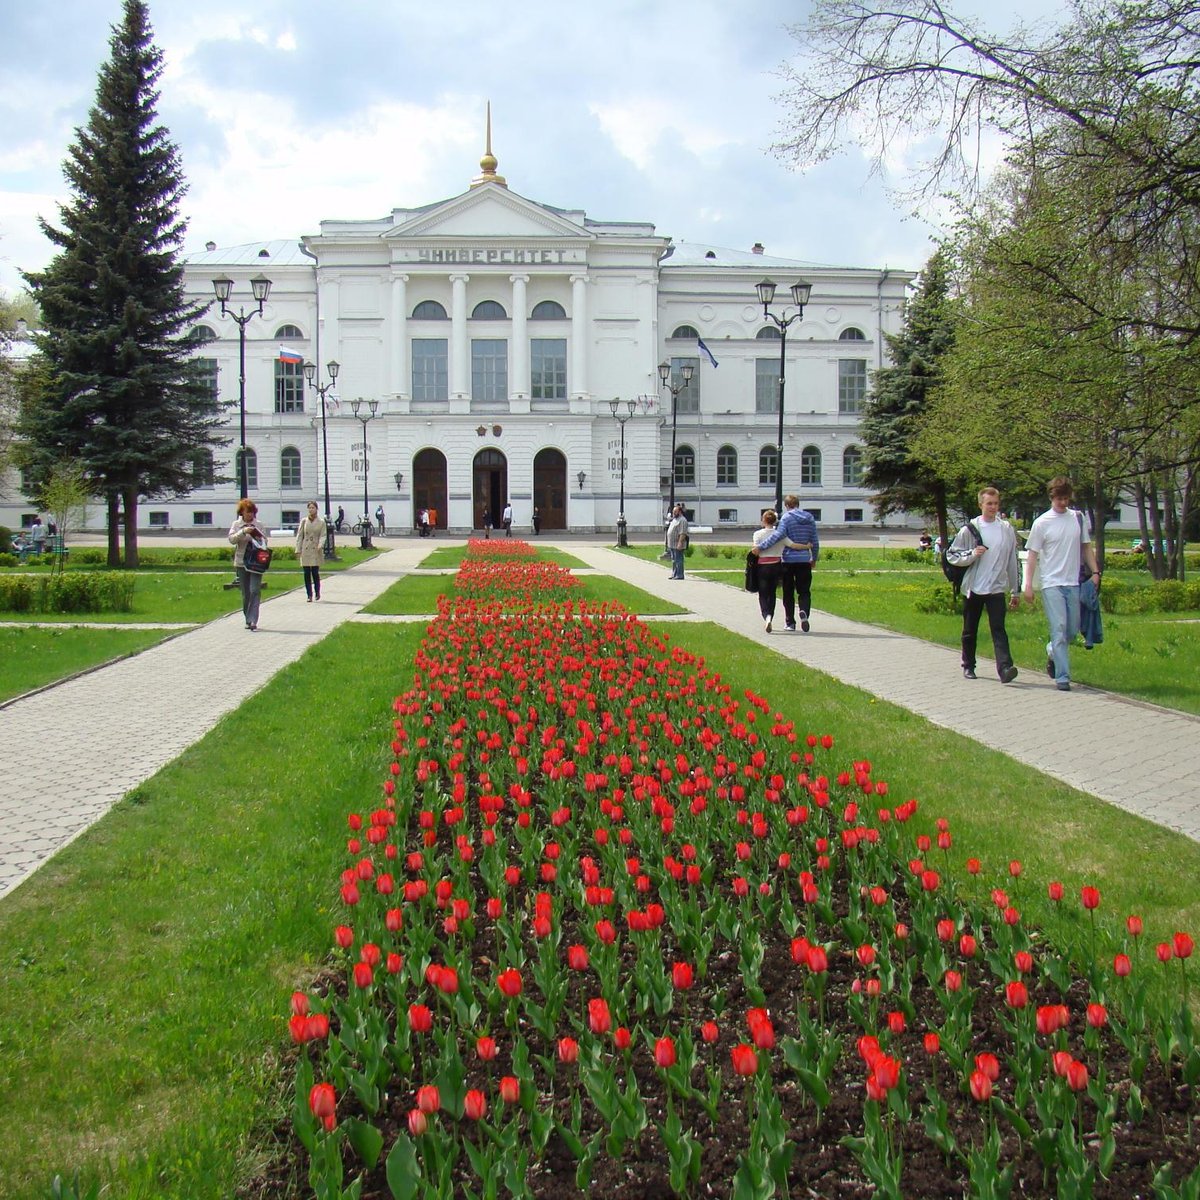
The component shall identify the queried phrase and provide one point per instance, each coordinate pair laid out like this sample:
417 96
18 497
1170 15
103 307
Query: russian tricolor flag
288 355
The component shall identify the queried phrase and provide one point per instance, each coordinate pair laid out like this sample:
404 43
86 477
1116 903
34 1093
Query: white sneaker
767 624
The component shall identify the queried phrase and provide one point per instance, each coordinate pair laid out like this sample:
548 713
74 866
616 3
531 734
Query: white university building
489 335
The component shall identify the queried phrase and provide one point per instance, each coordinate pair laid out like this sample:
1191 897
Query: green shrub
88 556
709 550
5 537
911 554
72 592
115 590
17 593
1124 560
730 551
1170 595
938 599
8 560
1113 595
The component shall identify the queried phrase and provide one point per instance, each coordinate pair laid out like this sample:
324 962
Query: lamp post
664 373
260 288
355 406
801 291
615 406
310 374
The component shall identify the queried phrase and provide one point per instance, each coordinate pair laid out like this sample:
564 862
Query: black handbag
257 557
751 571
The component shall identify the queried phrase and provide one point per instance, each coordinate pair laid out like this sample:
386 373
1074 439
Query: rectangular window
206 375
766 385
159 520
548 368
727 514
202 518
689 398
289 468
727 464
685 466
291 517
854 514
852 384
489 369
815 513
289 387
430 369
768 467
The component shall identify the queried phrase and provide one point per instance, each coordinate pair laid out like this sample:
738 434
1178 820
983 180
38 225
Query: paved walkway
1136 756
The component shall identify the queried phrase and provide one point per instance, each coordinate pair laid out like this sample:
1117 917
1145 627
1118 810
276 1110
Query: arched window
548 310
199 334
251 469
768 466
810 467
852 468
289 387
429 310
727 466
289 331
686 331
289 467
768 333
203 471
851 334
685 465
489 310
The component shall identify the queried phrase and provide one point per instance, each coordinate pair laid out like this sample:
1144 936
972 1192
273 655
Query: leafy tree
121 398
900 394
64 496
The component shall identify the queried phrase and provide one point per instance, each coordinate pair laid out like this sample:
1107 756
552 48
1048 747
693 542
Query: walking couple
787 550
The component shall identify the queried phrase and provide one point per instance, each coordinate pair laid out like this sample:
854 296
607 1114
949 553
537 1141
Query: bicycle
363 527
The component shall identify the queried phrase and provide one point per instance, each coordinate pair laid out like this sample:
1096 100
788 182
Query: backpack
953 574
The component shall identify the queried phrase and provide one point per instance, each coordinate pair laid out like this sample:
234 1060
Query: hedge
106 591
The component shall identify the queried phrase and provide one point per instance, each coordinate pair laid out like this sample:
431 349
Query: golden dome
489 162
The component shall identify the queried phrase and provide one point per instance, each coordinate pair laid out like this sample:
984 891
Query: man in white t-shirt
1058 546
991 562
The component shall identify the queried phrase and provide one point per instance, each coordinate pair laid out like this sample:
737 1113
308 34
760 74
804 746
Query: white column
579 331
330 308
460 360
399 383
518 352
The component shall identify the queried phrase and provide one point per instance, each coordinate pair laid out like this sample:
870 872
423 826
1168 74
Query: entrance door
429 487
489 492
550 488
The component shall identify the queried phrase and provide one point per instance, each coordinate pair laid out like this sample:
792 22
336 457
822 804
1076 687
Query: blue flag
706 351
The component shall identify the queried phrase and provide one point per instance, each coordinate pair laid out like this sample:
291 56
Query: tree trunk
114 533
1099 511
1155 557
131 542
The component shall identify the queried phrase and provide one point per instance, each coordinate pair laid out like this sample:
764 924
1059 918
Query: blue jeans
676 564
1061 606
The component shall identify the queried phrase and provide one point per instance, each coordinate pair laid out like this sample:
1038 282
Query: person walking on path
992 570
379 519
537 521
677 533
506 519
801 549
242 532
310 544
770 568
1059 546
341 519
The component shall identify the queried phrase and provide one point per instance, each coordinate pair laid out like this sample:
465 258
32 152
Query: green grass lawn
145 971
445 557
31 658
417 595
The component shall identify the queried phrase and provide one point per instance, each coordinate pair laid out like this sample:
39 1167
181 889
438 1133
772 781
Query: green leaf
403 1170
814 1086
366 1140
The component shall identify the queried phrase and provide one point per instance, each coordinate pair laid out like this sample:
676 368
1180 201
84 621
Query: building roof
700 254
278 252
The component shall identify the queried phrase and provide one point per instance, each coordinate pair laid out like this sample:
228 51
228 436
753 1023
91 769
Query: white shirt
1057 541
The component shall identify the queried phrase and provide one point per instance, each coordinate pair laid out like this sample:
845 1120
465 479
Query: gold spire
489 162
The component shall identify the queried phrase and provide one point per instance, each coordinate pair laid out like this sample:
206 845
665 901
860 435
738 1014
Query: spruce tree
121 398
901 482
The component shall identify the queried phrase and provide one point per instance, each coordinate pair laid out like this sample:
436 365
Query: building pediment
484 213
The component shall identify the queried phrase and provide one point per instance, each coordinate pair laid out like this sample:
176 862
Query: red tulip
420 1018
429 1099
1023 961
933 1043
622 1038
989 1064
709 1031
475 1104
1062 1061
1097 1015
485 1047
866 955
945 929
1016 995
1164 952
1051 1018
1089 896
418 1123
953 981
967 945
322 1100
664 1052
568 1050
510 1089
362 975
394 963
896 1022
1183 945
745 1060
981 1087
1122 966
886 1071
599 1018
1134 924
682 976
973 866
1077 1076
762 1032
577 958
1014 869
1055 891
344 936
509 982
300 1004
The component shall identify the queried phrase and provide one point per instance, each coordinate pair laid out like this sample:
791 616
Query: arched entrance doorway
489 492
429 487
550 488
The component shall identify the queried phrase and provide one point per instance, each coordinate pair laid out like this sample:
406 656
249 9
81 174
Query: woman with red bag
246 533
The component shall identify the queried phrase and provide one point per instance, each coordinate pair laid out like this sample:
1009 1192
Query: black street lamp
355 406
614 406
310 374
261 289
664 374
766 293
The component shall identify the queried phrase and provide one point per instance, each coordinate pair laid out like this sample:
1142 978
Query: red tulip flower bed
612 928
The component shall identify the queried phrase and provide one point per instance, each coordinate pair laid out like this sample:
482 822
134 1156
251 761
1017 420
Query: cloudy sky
288 113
